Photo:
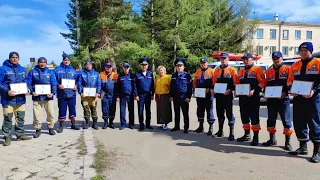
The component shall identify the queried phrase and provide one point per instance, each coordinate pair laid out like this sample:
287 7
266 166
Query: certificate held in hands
43 89
242 89
68 83
19 88
200 92
220 88
89 92
301 87
273 92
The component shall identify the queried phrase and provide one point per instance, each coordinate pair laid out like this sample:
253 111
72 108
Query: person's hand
11 93
61 87
207 90
49 95
34 94
171 99
227 92
137 98
211 91
187 100
28 91
283 95
97 95
251 93
310 95
152 97
118 99
74 88
293 94
82 95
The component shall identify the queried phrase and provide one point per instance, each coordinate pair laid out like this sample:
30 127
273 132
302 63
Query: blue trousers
225 105
63 104
249 112
144 102
281 107
108 108
306 113
123 103
205 105
178 103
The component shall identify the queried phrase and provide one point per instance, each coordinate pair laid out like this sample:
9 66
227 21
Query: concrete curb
88 159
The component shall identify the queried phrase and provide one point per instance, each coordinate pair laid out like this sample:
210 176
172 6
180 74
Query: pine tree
71 24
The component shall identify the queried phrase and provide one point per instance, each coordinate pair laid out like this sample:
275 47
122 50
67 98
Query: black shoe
271 142
245 137
210 129
316 153
131 126
37 134
23 138
149 127
51 132
185 131
60 128
175 129
105 125
287 144
86 124
255 139
94 124
220 131
121 128
200 128
302 150
141 128
74 126
231 133
7 141
111 125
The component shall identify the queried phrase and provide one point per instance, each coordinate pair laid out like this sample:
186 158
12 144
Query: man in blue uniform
42 75
180 94
66 96
89 78
12 103
126 92
145 90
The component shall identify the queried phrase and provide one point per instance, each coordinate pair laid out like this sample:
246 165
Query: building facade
270 36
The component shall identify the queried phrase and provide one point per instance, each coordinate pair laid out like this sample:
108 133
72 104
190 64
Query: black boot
60 129
200 128
23 138
111 125
105 124
245 137
94 124
210 129
7 141
255 139
220 131
37 134
302 150
86 124
231 133
316 153
51 132
74 126
287 145
175 129
272 141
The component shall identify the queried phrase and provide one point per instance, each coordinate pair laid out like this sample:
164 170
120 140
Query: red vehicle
234 56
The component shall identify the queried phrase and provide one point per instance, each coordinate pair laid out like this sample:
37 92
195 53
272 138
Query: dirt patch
82 146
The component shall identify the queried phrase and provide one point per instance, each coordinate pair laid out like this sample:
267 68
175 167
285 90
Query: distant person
306 108
162 97
180 94
89 78
66 96
126 92
40 75
13 104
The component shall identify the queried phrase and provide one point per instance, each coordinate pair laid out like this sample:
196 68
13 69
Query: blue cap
307 45
125 64
247 56
13 53
144 61
224 55
108 64
179 61
87 62
277 54
203 60
42 59
65 56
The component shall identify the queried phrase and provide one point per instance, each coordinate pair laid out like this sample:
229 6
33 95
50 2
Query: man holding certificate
12 80
180 94
278 102
66 77
224 79
252 80
42 85
306 106
203 82
89 88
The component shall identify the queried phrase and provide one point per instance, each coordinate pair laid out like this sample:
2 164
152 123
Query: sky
32 27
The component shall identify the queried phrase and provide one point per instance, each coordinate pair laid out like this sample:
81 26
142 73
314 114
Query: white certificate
19 88
273 92
43 89
89 92
301 87
200 92
242 89
220 88
68 83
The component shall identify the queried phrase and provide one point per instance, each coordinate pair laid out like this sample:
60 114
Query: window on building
309 35
285 34
273 33
285 50
250 34
259 33
296 51
297 34
273 49
260 50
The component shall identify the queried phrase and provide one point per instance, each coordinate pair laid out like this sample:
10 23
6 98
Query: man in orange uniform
277 75
306 108
224 102
250 104
203 79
